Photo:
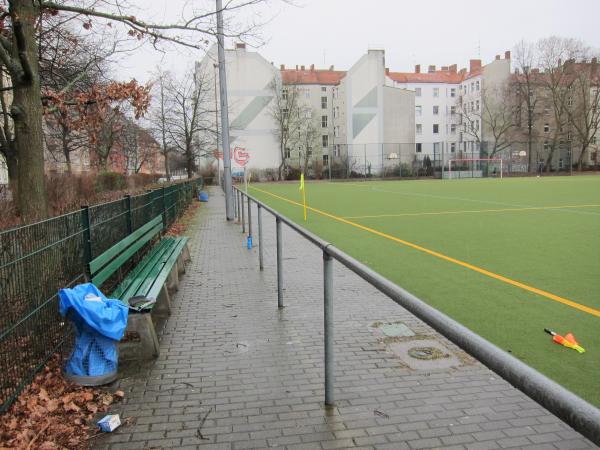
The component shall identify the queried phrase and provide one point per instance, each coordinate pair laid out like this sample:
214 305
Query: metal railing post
243 213
249 217
328 327
279 263
239 214
235 201
260 238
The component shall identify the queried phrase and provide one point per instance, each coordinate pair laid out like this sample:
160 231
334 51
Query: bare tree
108 137
138 146
497 117
285 112
307 137
189 117
160 116
524 86
557 83
583 106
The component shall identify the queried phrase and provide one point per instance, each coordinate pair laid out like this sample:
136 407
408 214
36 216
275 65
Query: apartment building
449 105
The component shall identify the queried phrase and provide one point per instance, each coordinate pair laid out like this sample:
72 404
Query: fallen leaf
52 405
120 394
72 407
92 408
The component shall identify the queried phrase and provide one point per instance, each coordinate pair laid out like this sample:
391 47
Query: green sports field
505 258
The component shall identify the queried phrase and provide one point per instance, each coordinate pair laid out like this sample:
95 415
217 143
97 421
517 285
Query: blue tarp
100 323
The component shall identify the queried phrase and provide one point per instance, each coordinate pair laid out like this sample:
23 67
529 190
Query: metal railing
573 410
38 259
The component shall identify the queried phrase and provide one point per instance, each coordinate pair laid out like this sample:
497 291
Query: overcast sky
338 32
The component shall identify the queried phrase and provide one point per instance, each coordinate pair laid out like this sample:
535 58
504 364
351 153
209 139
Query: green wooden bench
154 277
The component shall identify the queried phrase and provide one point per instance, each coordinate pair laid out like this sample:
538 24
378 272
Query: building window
452 92
436 128
436 110
418 147
546 127
476 105
472 87
308 114
336 131
546 146
323 121
336 150
417 92
323 102
453 110
453 128
477 85
465 107
325 141
593 140
570 101
336 112
325 159
288 153
323 89
436 92
477 125
472 106
452 147
309 151
418 110
334 92
284 94
419 128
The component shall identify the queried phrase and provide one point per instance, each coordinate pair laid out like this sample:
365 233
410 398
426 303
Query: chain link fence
37 260
433 159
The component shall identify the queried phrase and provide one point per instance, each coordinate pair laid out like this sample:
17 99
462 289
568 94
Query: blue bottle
249 242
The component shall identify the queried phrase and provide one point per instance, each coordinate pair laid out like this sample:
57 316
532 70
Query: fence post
239 217
328 327
260 238
235 203
243 213
129 216
279 263
249 217
87 239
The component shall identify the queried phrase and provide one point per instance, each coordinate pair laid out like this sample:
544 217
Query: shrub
110 181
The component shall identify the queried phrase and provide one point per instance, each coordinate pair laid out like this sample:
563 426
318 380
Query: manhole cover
426 353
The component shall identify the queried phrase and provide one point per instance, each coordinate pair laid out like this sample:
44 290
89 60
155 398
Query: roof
315 76
433 77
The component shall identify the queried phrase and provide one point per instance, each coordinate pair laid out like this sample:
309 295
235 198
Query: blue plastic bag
100 323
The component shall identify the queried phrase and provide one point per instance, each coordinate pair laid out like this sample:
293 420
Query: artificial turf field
506 258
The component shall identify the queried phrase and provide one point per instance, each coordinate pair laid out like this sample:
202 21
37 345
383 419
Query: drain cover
426 353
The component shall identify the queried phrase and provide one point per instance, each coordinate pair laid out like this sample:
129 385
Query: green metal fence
39 259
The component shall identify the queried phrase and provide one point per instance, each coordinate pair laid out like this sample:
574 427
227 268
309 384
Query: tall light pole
215 66
224 118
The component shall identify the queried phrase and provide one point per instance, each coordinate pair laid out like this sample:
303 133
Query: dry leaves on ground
52 413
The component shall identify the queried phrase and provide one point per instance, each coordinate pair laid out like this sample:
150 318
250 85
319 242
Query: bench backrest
107 263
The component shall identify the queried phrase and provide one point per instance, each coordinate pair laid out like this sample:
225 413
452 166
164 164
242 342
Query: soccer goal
474 168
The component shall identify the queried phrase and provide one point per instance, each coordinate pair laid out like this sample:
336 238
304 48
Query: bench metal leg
148 346
186 253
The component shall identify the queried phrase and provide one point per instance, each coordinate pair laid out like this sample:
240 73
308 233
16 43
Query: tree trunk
65 148
27 114
580 159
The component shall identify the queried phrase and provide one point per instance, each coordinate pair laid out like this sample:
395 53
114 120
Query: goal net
474 168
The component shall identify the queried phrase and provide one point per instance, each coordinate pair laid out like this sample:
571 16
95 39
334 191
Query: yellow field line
549 295
439 213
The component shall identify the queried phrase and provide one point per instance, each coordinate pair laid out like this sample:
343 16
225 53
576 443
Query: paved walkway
235 372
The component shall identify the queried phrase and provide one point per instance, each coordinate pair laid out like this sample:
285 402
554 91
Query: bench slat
131 277
103 259
114 265
166 270
156 270
134 287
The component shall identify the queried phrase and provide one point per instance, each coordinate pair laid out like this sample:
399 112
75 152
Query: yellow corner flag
303 190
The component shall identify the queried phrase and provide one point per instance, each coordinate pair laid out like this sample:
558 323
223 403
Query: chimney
507 54
302 68
387 70
296 66
282 67
331 68
445 68
452 68
497 57
418 68
240 46
431 69
312 67
474 64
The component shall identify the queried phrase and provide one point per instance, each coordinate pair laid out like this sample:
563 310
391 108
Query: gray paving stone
258 370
